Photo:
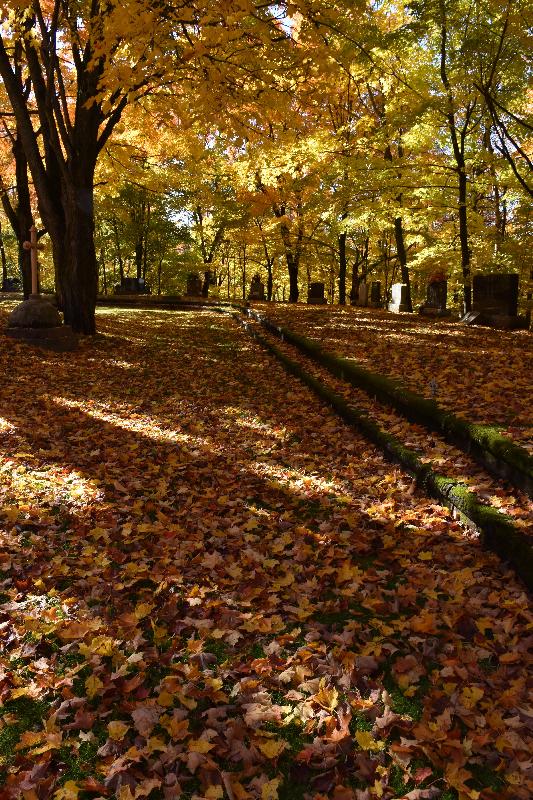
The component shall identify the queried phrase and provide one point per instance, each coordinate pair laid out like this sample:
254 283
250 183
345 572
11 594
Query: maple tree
86 64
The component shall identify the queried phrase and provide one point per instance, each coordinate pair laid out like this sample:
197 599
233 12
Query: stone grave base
501 321
61 338
430 311
398 308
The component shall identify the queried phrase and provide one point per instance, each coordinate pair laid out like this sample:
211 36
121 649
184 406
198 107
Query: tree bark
342 269
458 137
78 274
402 258
3 257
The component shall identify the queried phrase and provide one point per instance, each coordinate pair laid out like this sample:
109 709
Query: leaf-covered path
212 588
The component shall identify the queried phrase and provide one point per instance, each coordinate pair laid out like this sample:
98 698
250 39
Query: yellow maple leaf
69 791
93 684
470 695
117 730
326 697
165 699
142 610
366 741
100 645
269 790
271 748
200 746
214 793
29 739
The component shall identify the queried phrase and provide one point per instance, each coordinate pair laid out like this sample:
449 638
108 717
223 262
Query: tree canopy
304 141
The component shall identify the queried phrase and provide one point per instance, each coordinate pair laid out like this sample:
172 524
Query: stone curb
493 451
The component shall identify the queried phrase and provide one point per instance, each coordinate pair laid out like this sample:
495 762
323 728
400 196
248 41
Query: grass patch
29 715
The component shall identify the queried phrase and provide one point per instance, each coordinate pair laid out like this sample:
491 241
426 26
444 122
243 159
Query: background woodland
304 141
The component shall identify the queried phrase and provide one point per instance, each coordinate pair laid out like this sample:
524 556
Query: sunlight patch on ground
253 423
138 423
6 426
303 482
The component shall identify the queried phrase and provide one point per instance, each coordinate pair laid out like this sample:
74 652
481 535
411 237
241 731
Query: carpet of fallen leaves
483 374
212 588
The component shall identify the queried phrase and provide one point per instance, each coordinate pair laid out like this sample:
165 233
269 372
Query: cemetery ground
211 587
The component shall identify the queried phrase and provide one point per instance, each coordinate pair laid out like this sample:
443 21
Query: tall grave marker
36 319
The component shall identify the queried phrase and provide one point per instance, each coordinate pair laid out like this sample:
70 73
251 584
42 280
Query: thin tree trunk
159 269
269 279
402 258
104 273
119 251
342 268
458 146
3 257
244 272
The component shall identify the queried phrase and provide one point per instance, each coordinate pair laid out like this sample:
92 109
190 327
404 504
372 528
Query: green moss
483 777
217 648
360 723
27 715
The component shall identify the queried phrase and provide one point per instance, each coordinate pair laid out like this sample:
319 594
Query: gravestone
399 298
362 294
316 294
495 301
257 289
496 294
194 285
131 286
11 285
375 294
37 320
436 297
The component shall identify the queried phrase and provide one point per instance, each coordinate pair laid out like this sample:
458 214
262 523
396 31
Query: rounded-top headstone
35 312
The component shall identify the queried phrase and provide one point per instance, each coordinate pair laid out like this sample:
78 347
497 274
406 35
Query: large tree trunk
23 213
342 269
78 267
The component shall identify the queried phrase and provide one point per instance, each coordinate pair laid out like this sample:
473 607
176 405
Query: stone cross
33 246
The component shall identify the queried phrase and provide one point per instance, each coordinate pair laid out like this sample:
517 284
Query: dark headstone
257 289
496 295
362 294
436 297
194 285
11 285
316 294
495 301
399 298
437 293
132 286
375 294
